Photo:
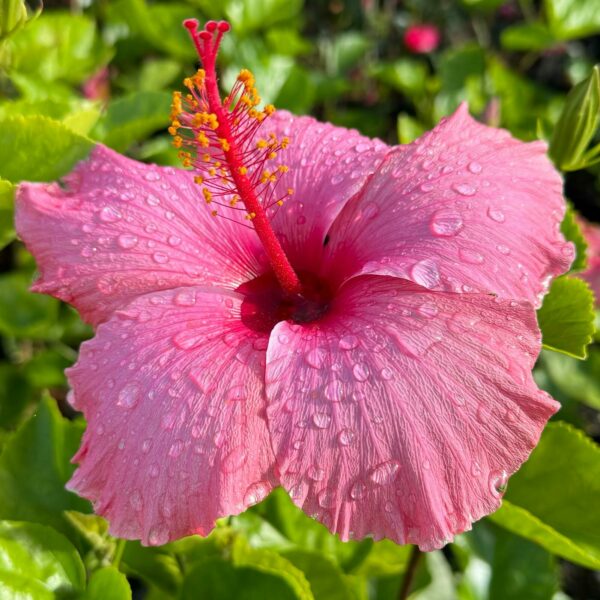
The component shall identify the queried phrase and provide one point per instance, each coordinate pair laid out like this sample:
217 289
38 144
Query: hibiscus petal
464 208
328 165
123 228
172 388
401 413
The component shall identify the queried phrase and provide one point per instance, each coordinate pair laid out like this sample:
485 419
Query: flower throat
219 139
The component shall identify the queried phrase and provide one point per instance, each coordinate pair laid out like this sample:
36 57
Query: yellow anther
283 168
177 141
202 139
198 179
269 110
290 191
272 155
242 170
253 113
265 176
280 202
173 130
206 157
224 144
212 171
213 213
285 142
188 82
261 144
207 195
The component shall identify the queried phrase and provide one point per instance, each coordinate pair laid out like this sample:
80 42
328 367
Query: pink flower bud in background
97 87
421 39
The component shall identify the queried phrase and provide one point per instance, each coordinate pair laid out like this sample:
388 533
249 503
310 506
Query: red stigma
218 139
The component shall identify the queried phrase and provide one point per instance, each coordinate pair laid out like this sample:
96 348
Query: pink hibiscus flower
368 346
422 39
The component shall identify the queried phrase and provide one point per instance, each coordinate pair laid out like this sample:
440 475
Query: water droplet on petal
159 534
474 167
360 372
464 189
385 472
129 396
334 390
446 223
503 249
369 210
326 498
151 176
185 298
160 258
346 437
498 482
362 147
256 493
152 200
321 420
174 240
237 393
426 273
428 309
348 342
470 256
234 460
127 241
358 490
146 445
337 178
316 357
176 449
496 215
110 215
386 373
315 473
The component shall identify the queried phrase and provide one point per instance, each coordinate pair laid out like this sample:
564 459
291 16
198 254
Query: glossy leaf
107 583
550 500
35 558
567 317
573 18
39 149
572 231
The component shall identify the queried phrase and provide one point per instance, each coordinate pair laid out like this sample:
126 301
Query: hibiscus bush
329 357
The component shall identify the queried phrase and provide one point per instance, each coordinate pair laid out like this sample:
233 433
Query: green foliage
7 228
107 583
572 231
39 149
13 16
567 317
37 562
550 500
572 18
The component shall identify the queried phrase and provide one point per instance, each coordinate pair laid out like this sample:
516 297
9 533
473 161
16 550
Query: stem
411 569
119 553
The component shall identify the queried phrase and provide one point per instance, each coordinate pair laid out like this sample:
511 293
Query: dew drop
283 338
174 240
176 449
152 200
235 460
316 357
146 445
498 482
496 215
315 473
326 498
152 176
348 342
185 298
425 273
464 189
358 490
237 393
127 241
301 220
428 310
503 249
470 256
426 187
129 396
446 223
385 472
346 437
362 147
160 258
159 534
386 373
474 167
334 391
256 493
369 210
360 372
110 215
337 178
321 420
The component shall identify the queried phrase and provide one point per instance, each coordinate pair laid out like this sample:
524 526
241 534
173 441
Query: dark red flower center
266 304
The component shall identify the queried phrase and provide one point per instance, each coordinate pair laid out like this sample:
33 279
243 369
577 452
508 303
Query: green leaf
551 500
326 579
23 314
35 466
577 124
16 395
409 129
36 558
251 15
60 46
567 317
571 19
157 566
527 36
7 228
132 118
107 583
572 231
406 75
13 15
39 149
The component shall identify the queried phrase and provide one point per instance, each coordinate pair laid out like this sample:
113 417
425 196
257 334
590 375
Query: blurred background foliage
103 70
